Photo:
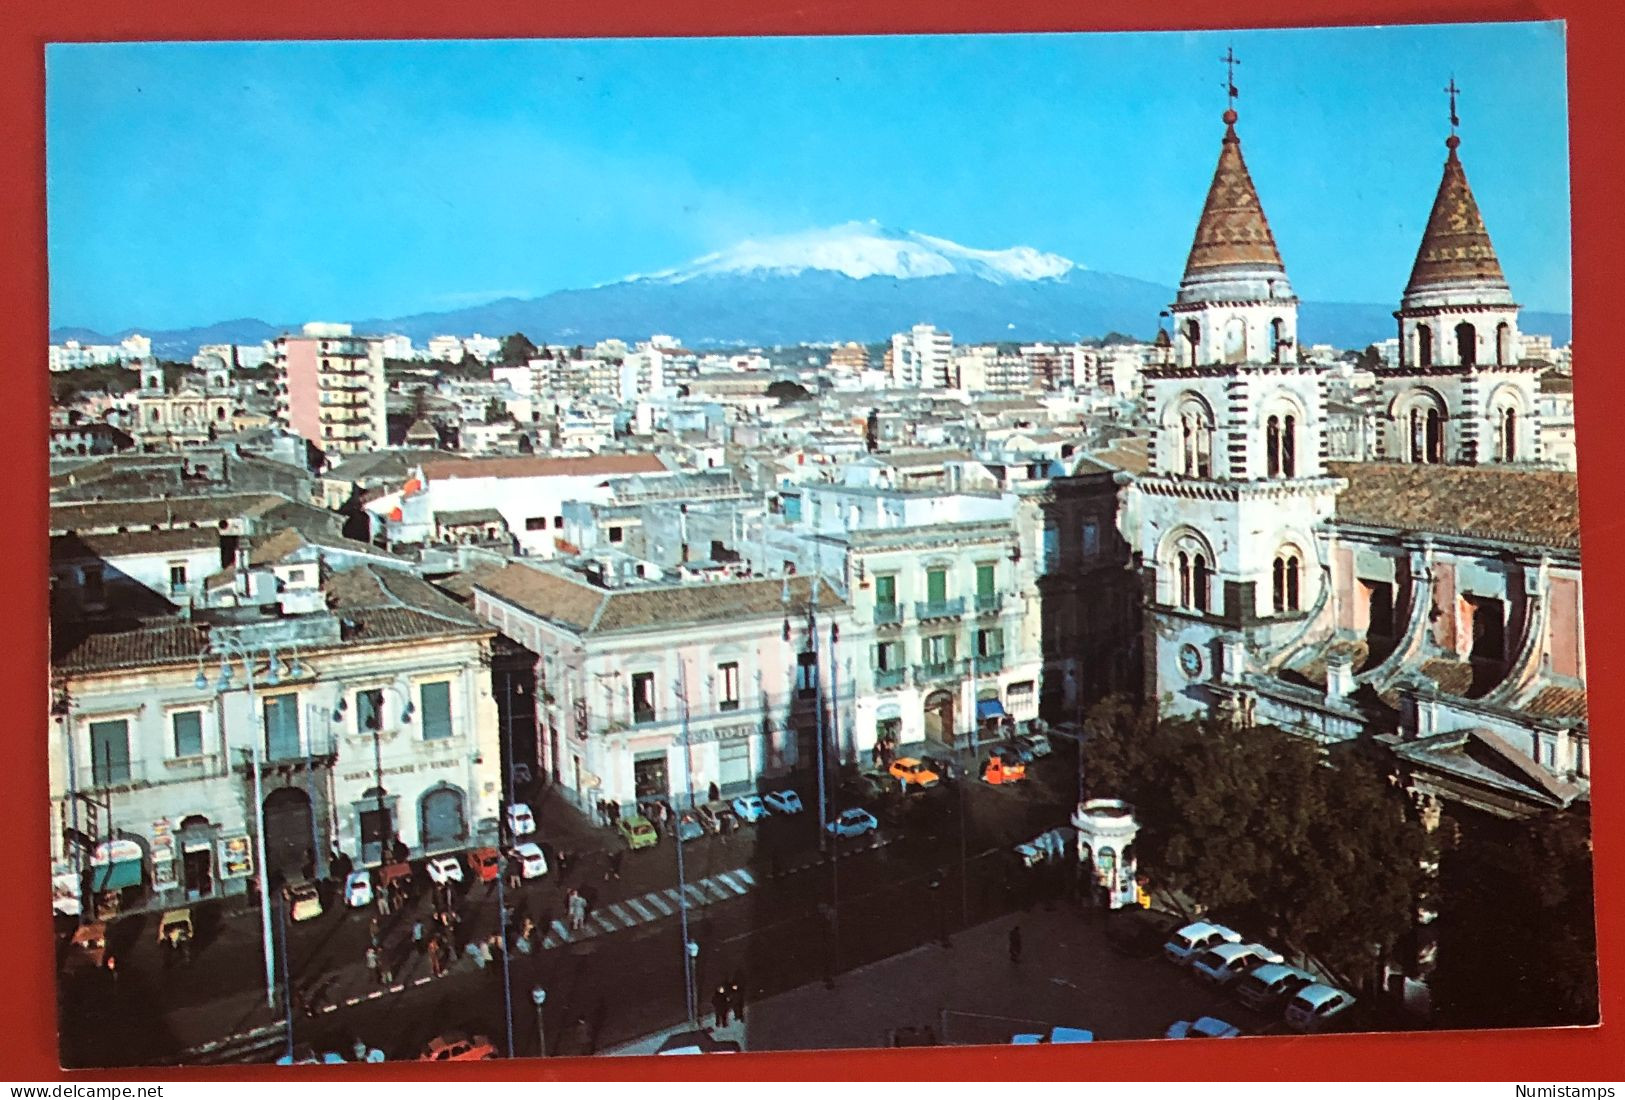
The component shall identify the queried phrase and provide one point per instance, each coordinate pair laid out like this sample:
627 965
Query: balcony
888 614
936 670
989 664
992 601
940 609
890 679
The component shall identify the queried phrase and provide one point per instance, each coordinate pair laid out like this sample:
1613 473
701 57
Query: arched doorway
939 717
287 831
442 822
197 857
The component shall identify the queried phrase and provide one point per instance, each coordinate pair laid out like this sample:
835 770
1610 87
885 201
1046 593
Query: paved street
762 909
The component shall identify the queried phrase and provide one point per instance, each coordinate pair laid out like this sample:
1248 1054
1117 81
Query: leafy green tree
1369 359
788 392
495 410
517 350
1517 934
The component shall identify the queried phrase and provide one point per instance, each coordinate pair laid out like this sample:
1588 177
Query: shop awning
989 708
115 876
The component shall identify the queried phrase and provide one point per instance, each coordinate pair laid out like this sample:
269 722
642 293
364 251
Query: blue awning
989 708
115 876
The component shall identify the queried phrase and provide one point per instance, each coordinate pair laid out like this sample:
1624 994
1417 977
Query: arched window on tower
1272 447
1289 446
1285 582
1506 435
1466 344
1503 344
1435 437
1277 340
1193 339
1199 583
1195 458
1424 346
1414 451
1184 579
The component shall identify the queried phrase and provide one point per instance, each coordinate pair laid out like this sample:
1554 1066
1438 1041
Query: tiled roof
1452 677
1556 701
910 459
460 586
1455 246
163 644
540 466
584 608
1233 231
392 464
1131 453
457 517
80 547
274 548
161 512
1486 758
1499 504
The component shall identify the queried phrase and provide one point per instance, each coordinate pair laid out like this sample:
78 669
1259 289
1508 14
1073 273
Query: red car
485 864
454 1046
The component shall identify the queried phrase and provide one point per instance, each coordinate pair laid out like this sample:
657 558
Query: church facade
1427 602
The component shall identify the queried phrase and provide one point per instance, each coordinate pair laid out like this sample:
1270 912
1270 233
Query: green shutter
282 727
188 733
984 580
436 708
936 585
886 591
110 752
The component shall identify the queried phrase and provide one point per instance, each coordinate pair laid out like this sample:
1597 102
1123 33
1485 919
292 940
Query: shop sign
163 874
723 733
236 861
115 851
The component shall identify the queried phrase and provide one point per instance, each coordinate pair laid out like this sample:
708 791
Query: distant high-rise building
849 358
330 388
922 358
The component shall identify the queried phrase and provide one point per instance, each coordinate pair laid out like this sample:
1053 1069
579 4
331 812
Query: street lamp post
538 997
230 650
835 722
690 949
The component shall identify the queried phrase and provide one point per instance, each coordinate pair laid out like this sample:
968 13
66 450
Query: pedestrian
514 875
719 1005
1015 944
434 956
522 941
614 870
372 963
565 859
473 951
359 1051
736 997
577 909
417 936
614 810
111 963
714 793
386 967
372 931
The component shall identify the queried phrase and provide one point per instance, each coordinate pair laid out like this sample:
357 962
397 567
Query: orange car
485 864
1000 770
89 946
454 1046
913 773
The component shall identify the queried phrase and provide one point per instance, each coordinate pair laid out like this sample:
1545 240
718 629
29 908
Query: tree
1369 359
495 410
788 392
517 350
1253 825
1517 934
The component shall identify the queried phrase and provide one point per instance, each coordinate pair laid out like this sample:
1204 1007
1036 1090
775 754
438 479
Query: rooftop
1498 504
542 466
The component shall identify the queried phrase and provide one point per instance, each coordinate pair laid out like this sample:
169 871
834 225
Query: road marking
745 876
731 883
696 895
644 914
605 923
654 901
330 1008
375 994
397 988
587 931
676 898
711 885
425 980
560 931
622 915
353 1001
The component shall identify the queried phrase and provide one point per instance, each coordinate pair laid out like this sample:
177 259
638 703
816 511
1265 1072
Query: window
1195 439
614 534
1050 553
886 590
939 649
177 577
558 523
1489 627
1192 575
1193 340
1199 575
110 752
1424 346
1506 435
296 576
989 643
1466 344
1091 538
728 686
282 726
369 710
1285 581
188 727
643 697
535 523
434 702
1503 344
984 579
936 585
1435 437
806 675
889 656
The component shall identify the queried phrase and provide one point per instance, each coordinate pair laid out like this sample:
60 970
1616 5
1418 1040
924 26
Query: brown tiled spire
1233 233
1456 247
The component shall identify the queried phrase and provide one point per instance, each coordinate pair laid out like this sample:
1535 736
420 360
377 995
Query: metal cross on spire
1230 62
1453 92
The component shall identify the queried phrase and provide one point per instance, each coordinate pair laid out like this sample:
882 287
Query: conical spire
1233 235
1456 254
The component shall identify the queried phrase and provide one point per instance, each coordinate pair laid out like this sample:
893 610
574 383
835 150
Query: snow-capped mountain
867 249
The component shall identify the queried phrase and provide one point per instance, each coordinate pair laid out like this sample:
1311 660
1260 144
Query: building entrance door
649 776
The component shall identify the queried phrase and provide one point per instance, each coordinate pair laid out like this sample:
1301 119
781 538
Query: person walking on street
434 956
736 997
614 869
372 931
386 967
577 910
719 1006
1015 944
417 935
372 963
714 793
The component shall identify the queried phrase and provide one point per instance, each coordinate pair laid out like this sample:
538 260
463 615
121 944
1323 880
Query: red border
27 1011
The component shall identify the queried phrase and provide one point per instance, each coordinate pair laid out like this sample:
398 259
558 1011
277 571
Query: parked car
1203 1027
718 817
1056 843
304 903
689 825
521 822
947 769
88 947
1056 1035
697 1042
305 1055
1315 1006
1191 940
454 1046
783 802
358 889
850 823
1267 986
1223 963
1001 769
484 863
532 863
866 787
1015 748
444 869
749 807
913 774
637 832
1036 744
1138 933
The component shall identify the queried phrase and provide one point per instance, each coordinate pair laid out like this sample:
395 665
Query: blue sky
195 182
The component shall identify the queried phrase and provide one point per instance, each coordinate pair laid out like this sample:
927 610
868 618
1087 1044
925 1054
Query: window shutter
436 707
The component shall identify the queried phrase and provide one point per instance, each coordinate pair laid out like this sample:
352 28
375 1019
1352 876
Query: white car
749 807
1269 985
358 889
532 863
1226 962
304 903
1203 1027
1037 744
783 802
1193 939
1314 1005
853 823
444 869
520 820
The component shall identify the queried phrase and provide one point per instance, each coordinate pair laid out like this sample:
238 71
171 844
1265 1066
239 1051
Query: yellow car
913 773
638 832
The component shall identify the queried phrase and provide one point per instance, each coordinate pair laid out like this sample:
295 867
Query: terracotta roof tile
1554 701
79 547
1499 504
1452 677
1455 246
541 466
1233 231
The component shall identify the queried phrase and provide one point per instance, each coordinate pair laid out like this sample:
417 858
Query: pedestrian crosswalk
617 916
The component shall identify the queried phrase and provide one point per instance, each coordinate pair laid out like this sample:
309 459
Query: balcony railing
989 664
940 609
890 679
888 614
989 602
937 670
